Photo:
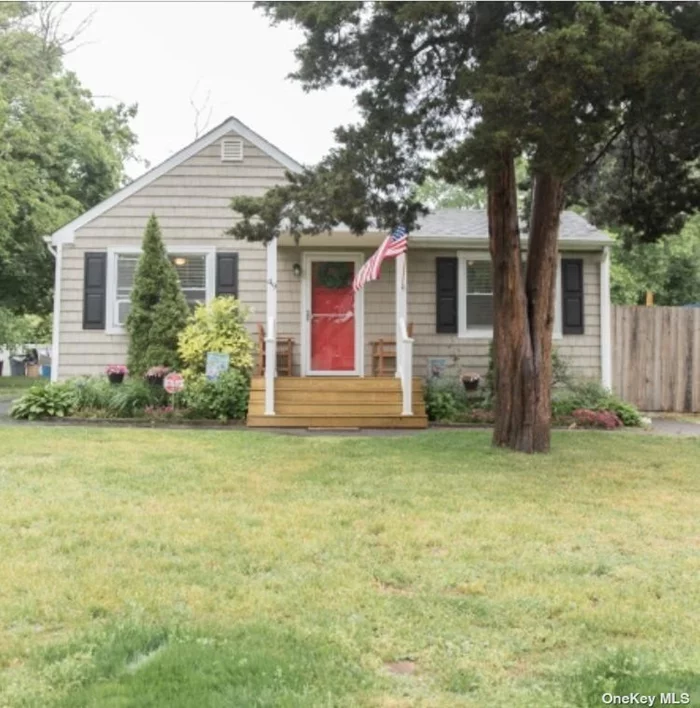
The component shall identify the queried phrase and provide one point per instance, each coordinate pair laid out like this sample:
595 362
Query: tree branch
588 165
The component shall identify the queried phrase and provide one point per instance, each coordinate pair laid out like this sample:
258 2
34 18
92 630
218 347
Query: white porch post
404 343
401 307
605 333
271 330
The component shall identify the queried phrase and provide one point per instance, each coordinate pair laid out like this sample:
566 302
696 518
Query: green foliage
593 396
226 398
438 193
561 371
440 405
129 399
218 326
623 673
14 330
445 398
669 268
158 307
628 413
94 392
59 153
54 400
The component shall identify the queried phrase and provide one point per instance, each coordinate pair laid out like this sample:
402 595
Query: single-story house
429 312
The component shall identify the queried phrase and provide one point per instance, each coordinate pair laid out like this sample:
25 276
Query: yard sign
173 383
217 364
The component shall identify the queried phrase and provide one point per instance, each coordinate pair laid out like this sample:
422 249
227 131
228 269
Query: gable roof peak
66 233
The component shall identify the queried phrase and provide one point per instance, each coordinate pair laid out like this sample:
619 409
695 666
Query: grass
179 568
12 387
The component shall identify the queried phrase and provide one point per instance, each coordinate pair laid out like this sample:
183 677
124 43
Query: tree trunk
523 308
540 287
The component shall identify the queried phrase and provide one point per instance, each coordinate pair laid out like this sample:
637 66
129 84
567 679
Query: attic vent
231 150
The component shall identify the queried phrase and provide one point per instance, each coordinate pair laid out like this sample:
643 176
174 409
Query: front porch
336 402
336 386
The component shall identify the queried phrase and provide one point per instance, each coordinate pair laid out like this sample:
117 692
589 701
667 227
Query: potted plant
470 380
156 374
116 373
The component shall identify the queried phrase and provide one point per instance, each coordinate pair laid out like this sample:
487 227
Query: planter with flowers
116 373
156 374
470 381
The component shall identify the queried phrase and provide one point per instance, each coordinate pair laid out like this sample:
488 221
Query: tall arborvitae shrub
158 307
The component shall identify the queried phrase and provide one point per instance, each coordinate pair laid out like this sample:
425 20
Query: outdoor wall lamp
296 269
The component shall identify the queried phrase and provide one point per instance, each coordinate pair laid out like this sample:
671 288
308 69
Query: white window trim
463 332
113 251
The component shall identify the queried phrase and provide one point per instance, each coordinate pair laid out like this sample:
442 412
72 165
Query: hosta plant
55 400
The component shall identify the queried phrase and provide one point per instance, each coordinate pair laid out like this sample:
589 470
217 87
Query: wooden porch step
335 409
324 383
336 402
345 421
316 396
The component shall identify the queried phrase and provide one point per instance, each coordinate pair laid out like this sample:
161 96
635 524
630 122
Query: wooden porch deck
335 402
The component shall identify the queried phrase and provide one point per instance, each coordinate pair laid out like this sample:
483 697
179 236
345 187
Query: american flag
393 245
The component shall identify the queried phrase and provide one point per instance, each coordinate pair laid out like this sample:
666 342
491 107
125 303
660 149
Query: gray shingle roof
473 224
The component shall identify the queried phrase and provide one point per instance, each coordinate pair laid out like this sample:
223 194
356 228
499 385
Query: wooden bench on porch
285 354
384 355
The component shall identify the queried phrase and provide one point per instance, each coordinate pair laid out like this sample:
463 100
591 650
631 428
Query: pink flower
116 369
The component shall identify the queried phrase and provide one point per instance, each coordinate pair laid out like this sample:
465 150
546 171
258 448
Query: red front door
332 316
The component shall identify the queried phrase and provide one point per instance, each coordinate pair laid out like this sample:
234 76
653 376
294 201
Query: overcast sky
156 54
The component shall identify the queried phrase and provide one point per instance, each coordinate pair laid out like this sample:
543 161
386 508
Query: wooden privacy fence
656 357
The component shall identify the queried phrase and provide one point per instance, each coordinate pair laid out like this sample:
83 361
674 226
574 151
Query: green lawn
231 568
12 387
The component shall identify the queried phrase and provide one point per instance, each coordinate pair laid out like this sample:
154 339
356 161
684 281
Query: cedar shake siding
192 205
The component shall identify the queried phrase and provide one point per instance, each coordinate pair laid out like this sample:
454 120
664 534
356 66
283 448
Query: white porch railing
404 361
270 365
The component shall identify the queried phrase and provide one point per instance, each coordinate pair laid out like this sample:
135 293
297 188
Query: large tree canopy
59 154
479 85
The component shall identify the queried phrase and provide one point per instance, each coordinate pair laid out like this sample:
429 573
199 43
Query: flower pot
155 380
470 381
115 378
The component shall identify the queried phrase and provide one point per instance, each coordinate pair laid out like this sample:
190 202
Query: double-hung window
194 270
475 295
126 267
479 296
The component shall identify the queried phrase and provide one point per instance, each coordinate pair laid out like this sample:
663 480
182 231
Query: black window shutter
572 295
227 274
95 291
446 295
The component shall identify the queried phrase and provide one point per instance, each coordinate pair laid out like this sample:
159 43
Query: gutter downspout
605 323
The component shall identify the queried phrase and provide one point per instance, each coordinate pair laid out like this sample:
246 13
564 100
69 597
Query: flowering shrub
116 369
586 418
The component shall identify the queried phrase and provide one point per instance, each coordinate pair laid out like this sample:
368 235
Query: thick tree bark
540 287
523 308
